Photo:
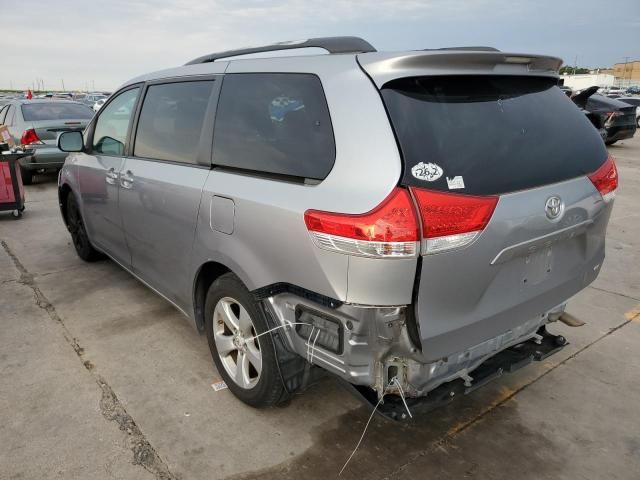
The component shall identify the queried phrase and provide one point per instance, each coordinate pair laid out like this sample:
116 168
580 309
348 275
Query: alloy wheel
234 335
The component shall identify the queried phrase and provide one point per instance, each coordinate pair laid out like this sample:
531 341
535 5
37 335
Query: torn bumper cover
370 346
506 361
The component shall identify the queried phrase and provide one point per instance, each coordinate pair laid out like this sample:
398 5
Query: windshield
489 135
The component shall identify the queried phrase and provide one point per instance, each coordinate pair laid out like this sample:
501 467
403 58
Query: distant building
604 71
627 72
578 82
620 75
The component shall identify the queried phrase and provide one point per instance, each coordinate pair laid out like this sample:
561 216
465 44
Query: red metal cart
11 189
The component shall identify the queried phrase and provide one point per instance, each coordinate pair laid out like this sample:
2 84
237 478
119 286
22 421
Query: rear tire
247 365
27 176
81 242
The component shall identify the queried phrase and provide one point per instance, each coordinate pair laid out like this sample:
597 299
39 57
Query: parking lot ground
101 378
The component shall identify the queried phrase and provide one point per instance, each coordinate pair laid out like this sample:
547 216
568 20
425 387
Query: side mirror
70 141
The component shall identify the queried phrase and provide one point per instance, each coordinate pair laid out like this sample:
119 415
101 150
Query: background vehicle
612 92
619 118
580 99
99 104
635 101
36 123
566 90
337 220
90 99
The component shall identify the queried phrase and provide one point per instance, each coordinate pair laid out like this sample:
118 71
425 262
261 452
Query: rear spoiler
384 67
580 99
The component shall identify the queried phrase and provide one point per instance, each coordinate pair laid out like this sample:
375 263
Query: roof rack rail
476 49
330 44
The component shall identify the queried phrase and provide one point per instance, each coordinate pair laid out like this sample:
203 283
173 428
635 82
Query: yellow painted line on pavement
633 314
504 394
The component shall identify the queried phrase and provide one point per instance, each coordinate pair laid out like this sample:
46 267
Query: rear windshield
34 112
488 135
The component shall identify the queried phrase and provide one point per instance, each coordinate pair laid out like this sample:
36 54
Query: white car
99 104
617 91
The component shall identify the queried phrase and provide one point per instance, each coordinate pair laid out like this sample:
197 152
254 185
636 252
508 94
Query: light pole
624 74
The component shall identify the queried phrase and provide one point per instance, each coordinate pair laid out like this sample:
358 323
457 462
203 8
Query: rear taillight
605 179
29 137
389 230
451 220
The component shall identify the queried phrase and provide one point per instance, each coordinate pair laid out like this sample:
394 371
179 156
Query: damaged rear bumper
369 346
507 361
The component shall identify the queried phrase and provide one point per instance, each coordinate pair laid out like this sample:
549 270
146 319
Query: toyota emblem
553 207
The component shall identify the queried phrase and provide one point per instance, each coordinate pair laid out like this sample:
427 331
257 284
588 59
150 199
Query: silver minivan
409 222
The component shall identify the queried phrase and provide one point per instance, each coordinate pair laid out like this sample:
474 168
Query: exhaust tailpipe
570 320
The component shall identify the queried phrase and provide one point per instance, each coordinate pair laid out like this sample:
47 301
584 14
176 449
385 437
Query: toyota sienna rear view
408 222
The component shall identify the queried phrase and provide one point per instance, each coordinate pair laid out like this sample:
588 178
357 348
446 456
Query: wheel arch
205 276
63 193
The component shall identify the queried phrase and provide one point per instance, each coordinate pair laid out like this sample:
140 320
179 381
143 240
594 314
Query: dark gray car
618 117
37 123
635 101
409 222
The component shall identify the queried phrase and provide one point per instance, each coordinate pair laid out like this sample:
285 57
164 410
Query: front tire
81 242
248 365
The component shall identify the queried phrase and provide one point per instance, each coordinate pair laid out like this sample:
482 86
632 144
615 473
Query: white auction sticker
429 172
455 182
219 386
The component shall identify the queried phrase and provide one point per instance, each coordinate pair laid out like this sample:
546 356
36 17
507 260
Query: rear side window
171 121
275 123
34 112
489 134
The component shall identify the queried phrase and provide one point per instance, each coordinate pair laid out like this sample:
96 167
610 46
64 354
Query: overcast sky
87 43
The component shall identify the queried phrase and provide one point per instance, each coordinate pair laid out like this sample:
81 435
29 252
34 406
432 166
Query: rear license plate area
538 266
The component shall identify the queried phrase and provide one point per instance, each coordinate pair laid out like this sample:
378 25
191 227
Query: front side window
275 123
171 121
110 134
